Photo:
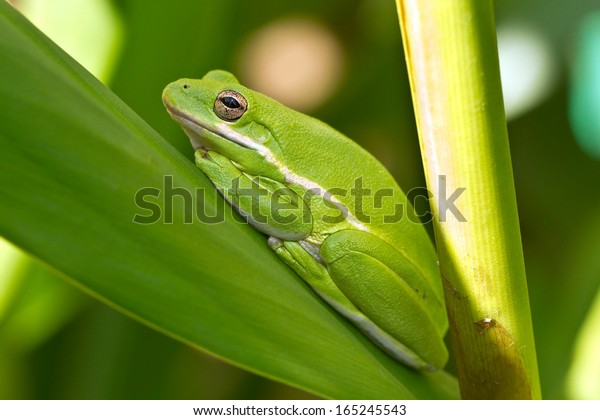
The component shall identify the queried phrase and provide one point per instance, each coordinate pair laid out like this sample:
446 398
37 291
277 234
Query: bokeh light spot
295 60
528 67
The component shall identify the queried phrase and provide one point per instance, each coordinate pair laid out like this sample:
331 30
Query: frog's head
217 113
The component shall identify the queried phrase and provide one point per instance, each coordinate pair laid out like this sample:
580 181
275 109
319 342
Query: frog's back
342 165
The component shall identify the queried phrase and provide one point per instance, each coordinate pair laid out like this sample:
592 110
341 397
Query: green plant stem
452 60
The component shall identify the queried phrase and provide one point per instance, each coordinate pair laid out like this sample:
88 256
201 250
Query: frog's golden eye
230 105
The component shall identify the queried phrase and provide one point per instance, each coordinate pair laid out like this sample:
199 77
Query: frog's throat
197 130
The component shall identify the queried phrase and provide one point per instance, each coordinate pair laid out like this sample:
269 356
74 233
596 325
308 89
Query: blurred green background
337 60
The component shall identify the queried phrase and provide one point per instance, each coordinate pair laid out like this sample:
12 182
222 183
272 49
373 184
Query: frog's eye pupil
230 102
230 105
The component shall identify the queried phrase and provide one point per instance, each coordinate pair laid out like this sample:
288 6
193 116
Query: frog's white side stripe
225 131
293 178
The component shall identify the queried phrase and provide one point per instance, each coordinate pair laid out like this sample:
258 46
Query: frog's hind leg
319 279
379 281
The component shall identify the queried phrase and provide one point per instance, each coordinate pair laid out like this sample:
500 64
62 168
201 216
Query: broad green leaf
73 158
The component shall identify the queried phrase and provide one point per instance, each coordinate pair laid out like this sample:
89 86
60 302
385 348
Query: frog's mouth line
199 132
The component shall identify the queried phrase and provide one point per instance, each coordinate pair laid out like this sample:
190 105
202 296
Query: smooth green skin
382 276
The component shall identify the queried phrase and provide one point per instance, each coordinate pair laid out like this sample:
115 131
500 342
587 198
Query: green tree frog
328 206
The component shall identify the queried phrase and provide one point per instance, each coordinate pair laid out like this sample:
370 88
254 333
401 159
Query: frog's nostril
186 86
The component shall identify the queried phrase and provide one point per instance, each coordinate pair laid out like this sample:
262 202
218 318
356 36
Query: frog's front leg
365 291
267 205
